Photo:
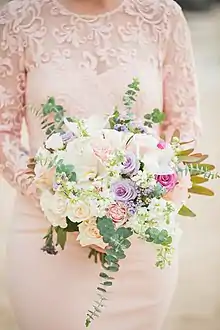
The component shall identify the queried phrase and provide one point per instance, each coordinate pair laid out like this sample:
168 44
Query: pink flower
161 145
118 213
168 181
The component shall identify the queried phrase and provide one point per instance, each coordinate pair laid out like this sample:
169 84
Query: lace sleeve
13 157
179 81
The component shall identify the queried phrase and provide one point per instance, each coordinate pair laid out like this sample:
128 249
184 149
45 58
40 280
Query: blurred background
196 305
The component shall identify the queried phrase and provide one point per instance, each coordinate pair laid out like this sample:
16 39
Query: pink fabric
87 63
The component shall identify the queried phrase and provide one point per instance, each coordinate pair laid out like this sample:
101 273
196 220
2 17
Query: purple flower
168 181
120 128
124 190
67 137
131 165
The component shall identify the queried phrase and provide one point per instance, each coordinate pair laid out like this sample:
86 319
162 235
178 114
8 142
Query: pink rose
168 181
118 213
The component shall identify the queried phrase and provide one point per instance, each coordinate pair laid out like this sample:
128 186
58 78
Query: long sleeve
13 157
179 81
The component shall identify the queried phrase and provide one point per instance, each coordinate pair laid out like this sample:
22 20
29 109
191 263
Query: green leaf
110 258
157 116
187 142
72 226
107 283
185 152
201 157
61 237
186 212
199 190
198 179
189 159
103 275
126 244
124 232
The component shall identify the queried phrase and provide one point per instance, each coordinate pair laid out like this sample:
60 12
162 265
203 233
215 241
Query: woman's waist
27 215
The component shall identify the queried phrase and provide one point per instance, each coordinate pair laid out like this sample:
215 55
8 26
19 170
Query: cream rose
89 234
55 208
80 211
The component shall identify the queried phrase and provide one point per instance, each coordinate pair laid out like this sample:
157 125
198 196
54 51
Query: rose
131 164
67 137
89 234
168 181
55 208
54 142
118 213
80 211
124 190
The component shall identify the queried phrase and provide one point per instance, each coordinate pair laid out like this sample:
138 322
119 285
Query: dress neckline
64 10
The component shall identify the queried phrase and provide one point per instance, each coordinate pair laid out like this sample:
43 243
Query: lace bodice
86 63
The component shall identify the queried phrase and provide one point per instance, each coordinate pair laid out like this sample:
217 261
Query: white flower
55 208
54 142
81 211
89 234
80 154
117 140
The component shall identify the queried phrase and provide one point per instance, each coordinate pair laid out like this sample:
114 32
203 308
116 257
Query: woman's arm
13 157
179 81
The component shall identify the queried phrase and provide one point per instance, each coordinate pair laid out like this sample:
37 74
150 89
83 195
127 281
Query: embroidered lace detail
86 62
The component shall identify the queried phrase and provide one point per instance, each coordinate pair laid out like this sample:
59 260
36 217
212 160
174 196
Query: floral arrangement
110 178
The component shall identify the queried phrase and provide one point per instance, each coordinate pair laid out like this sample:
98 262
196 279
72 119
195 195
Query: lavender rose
124 190
67 137
168 181
131 164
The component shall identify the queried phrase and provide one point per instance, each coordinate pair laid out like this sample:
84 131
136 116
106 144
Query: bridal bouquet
110 178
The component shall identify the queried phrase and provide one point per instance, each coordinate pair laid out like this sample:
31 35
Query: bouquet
110 178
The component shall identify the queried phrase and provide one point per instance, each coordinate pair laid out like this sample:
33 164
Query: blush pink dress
86 63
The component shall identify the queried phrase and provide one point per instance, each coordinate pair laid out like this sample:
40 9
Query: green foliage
157 236
51 115
156 117
199 190
67 169
61 237
118 242
186 212
131 94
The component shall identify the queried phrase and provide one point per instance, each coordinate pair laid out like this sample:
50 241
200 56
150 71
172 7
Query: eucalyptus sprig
131 94
51 116
118 242
155 117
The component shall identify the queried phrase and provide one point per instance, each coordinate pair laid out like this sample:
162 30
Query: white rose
89 234
54 142
80 211
55 208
